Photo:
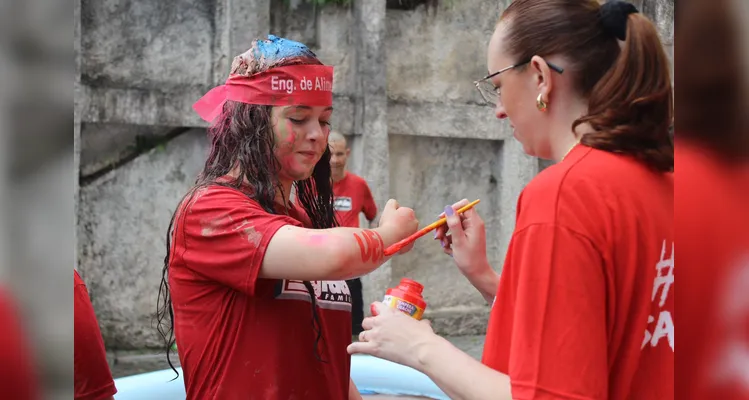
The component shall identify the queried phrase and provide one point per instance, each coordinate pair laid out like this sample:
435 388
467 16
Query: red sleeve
226 235
370 208
558 345
93 379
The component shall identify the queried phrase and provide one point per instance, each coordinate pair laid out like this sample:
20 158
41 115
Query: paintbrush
396 247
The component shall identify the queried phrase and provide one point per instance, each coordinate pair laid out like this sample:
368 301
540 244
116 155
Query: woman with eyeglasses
584 307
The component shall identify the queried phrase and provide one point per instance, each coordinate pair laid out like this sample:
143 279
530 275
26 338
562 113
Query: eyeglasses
490 93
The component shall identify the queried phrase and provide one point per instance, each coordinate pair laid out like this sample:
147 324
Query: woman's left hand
393 335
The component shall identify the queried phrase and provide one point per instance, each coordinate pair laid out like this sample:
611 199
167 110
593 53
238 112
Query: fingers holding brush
451 216
447 243
441 231
467 240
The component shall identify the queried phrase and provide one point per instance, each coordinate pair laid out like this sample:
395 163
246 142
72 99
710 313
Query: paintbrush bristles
396 247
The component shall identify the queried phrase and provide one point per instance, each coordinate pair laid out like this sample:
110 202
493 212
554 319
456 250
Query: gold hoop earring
540 104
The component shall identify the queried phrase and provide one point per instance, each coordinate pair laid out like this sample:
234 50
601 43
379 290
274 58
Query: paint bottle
406 297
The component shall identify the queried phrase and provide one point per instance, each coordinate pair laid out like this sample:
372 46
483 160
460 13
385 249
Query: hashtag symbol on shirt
665 277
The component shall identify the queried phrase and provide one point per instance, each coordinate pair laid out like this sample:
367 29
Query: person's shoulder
548 184
355 179
589 180
703 167
595 169
214 197
704 177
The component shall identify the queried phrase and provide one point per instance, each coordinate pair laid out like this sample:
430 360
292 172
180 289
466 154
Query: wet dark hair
628 88
243 137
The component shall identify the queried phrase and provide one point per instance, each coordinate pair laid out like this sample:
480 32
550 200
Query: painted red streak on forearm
362 248
370 245
378 245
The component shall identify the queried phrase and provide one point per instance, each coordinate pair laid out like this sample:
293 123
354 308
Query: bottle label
403 306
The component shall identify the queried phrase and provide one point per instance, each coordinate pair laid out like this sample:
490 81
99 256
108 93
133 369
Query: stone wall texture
403 94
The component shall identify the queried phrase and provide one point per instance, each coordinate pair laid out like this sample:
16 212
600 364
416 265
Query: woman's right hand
464 238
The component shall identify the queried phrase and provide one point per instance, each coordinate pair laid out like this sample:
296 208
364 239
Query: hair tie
614 14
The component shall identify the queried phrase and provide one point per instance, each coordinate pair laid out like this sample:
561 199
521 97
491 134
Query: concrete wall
403 94
122 231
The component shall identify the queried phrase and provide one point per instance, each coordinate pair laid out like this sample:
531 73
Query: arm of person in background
232 240
369 208
93 379
469 236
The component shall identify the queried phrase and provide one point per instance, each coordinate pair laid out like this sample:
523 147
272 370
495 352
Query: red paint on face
291 138
301 140
285 150
294 165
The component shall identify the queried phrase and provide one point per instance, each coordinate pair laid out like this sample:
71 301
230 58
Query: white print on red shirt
331 295
341 203
664 280
732 364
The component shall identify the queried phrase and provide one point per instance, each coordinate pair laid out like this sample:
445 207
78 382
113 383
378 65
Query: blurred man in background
352 197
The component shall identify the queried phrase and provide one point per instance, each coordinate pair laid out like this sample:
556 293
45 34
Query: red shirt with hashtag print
585 305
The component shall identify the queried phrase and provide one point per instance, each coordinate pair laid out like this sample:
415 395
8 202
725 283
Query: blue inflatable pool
371 375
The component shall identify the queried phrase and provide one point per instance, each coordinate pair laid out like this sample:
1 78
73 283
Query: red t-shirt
93 379
585 303
712 216
18 380
352 196
239 336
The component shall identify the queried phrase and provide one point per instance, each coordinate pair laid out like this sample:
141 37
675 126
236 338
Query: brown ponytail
631 107
628 88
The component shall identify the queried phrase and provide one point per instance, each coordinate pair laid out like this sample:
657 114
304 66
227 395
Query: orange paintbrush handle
396 247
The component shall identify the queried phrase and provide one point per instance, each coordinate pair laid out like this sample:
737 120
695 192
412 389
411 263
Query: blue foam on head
276 48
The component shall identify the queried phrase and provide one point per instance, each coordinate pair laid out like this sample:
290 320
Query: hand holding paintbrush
396 247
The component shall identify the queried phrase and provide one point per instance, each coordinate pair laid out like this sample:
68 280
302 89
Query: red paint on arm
362 247
374 247
377 246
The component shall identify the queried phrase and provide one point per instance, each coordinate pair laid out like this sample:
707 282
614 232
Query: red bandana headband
308 85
